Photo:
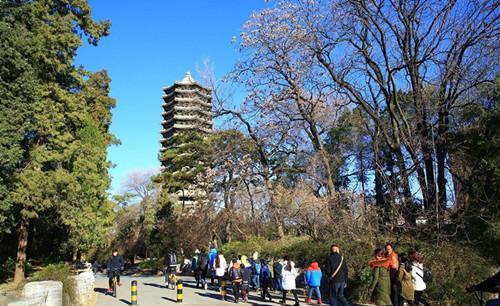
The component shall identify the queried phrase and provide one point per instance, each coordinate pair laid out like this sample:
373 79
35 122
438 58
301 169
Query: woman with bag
288 275
336 271
417 275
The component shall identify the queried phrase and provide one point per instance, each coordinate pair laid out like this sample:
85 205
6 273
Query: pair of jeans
256 281
278 283
314 289
337 295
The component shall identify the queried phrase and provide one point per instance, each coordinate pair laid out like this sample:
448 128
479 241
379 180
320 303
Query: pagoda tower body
187 107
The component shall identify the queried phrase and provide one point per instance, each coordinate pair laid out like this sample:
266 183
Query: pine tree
54 138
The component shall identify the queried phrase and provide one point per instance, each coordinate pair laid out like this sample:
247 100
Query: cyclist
115 265
170 265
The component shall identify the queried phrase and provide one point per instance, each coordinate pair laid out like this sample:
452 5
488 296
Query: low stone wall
85 288
50 293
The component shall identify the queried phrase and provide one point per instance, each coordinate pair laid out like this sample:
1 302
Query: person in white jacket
417 276
288 275
220 272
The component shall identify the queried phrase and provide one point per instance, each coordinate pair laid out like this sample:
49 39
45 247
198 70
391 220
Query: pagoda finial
188 79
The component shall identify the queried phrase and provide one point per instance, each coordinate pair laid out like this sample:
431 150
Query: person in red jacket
313 277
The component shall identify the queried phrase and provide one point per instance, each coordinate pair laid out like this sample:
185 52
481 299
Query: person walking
270 262
247 275
212 255
169 266
236 276
405 281
313 277
96 266
220 273
202 269
265 280
336 270
381 283
288 275
277 268
417 275
256 266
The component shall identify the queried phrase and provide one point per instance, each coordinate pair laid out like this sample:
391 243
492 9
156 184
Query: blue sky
152 44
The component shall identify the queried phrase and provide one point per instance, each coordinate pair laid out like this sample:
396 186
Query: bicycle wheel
173 282
114 286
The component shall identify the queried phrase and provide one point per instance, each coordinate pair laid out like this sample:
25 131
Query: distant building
187 107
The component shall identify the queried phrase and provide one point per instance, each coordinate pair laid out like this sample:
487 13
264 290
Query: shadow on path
155 285
101 290
125 301
169 299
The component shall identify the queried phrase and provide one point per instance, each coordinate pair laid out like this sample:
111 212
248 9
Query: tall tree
49 113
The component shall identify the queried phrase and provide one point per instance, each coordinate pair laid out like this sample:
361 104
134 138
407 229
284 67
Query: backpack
172 259
427 274
265 273
256 267
203 261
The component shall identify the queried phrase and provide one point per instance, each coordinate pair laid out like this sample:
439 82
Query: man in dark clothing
336 271
202 269
114 267
277 268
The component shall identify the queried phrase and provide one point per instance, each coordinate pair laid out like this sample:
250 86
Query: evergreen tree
54 138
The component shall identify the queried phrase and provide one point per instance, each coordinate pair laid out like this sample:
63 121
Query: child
313 279
247 275
236 276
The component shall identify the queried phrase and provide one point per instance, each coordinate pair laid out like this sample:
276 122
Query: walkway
151 292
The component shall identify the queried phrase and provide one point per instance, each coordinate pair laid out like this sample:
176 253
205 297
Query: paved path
151 293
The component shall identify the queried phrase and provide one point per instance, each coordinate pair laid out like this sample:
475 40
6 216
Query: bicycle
114 282
171 277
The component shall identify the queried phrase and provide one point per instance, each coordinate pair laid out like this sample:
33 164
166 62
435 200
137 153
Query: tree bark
22 246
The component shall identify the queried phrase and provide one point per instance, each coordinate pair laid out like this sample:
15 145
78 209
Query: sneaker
320 302
110 290
206 286
308 300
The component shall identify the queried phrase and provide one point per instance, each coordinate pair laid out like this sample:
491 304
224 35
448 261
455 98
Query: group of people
246 273
398 279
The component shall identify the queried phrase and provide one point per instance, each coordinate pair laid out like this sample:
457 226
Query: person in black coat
115 265
336 272
202 269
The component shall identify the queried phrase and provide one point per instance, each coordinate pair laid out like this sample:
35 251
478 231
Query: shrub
7 269
59 272
151 264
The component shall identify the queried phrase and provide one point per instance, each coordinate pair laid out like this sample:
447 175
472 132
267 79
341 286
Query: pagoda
187 107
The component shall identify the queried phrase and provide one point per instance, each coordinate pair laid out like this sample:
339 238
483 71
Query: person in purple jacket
313 279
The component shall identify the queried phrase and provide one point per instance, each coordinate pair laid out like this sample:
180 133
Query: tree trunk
441 157
22 246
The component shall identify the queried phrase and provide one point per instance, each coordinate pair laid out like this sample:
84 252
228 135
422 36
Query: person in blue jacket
212 254
313 280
